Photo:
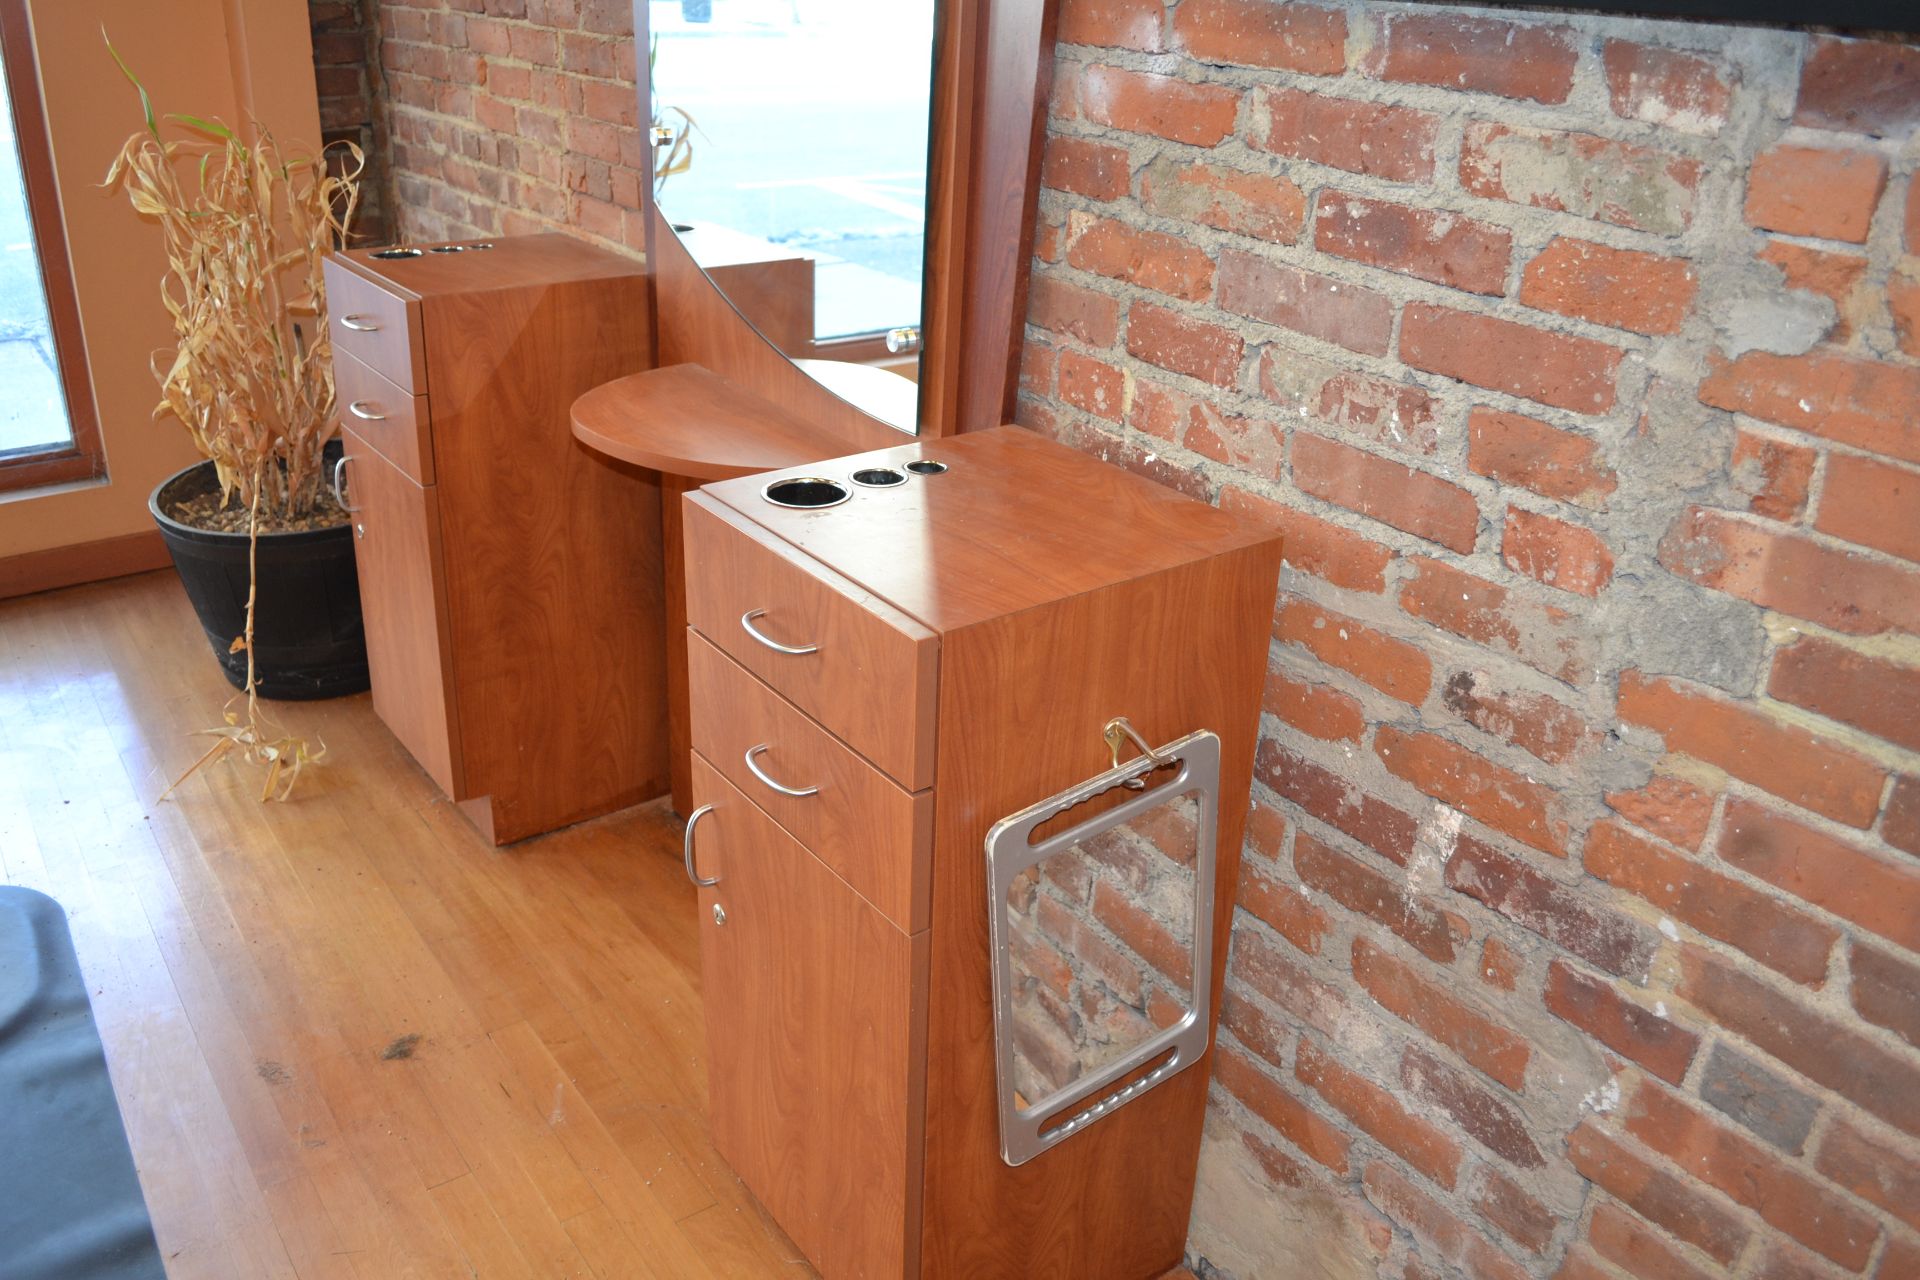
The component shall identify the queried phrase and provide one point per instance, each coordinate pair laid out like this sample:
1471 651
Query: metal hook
1118 730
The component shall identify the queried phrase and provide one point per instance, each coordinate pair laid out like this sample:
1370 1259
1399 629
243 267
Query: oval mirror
790 149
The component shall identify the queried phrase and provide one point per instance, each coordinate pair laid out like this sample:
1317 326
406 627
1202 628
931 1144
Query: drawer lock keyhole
719 914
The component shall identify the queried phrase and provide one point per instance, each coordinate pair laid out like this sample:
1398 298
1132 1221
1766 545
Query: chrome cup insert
806 493
878 477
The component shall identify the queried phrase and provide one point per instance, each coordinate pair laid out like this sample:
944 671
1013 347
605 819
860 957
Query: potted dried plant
258 534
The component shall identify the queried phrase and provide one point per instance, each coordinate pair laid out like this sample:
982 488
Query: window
48 430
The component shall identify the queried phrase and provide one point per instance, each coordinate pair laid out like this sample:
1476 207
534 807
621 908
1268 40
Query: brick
1753 1176
1856 688
1412 501
1251 446
1481 55
1200 115
1093 385
1091 169
1805 768
1666 87
1759 1100
1500 964
1526 1221
1315 710
1876 1171
1184 345
1537 724
1274 974
1545 637
1811 191
1396 143
1312 546
1560 913
1060 307
1163 263
1841 277
1561 554
1855 401
1581 1264
1775 473
1266 206
1487 792
1719 906
1525 451
1656 1195
1265 1035
1597 1007
1339 803
1859 1069
1037 363
1874 504
1503 355
1130 454
1376 1112
1672 808
1392 666
1901 825
1261 33
1114 24
1641 188
1493 1049
1348 315
1392 414
1430 244
1361 889
1456 1241
1886 991
1860 86
1288 1116
1622 288
1481 1114
1096 956
1291 915
1851 882
1631 1245
1143 934
1903 299
1281 1170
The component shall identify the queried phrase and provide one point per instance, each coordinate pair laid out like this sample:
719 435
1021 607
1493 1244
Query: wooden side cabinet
875 684
510 578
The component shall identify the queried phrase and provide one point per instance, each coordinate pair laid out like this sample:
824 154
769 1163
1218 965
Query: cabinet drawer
377 328
391 420
396 549
857 665
873 835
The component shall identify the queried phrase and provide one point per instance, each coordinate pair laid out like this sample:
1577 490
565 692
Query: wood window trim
83 459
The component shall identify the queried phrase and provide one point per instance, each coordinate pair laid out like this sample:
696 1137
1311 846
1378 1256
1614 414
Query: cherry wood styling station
510 579
874 685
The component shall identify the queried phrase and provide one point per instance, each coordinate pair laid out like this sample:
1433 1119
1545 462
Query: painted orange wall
203 57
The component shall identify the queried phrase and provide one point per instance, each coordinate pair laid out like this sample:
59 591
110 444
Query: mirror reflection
1102 947
790 152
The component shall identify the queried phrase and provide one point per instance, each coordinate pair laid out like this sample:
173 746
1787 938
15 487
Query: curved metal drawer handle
339 467
761 774
686 847
359 324
746 625
365 415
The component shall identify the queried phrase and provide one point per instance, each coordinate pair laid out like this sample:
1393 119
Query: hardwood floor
349 1039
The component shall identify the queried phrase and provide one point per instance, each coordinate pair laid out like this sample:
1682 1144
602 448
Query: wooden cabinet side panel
553 555
1022 702
811 1001
397 551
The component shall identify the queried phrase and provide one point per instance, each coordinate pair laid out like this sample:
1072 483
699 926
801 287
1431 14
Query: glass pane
809 132
33 410
1102 947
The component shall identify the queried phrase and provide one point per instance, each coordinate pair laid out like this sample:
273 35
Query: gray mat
70 1202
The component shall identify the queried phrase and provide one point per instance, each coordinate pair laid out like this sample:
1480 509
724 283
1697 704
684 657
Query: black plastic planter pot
308 641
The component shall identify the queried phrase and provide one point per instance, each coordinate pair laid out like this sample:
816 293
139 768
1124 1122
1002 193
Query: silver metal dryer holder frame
1026 1131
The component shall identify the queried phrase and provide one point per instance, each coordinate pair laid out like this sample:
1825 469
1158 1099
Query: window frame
82 458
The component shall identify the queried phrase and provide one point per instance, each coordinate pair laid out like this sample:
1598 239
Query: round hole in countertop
878 477
449 248
926 467
397 253
806 493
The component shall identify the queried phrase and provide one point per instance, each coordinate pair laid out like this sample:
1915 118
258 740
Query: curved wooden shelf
686 420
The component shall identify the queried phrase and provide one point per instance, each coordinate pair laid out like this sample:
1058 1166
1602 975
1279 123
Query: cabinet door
814 1005
397 549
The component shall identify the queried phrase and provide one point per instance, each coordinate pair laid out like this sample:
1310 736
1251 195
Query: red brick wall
347 73
1579 359
511 116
